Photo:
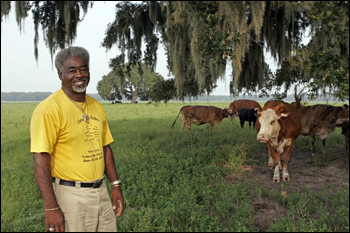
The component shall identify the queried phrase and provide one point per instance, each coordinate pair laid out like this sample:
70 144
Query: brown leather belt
95 184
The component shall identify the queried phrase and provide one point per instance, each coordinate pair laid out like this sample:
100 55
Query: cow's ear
256 112
282 112
285 114
259 113
340 121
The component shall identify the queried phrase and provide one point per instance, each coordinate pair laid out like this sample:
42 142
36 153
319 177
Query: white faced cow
278 124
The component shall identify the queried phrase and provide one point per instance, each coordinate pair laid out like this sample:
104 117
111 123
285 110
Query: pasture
205 181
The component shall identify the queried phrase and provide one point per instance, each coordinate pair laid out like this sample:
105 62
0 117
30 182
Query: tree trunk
134 97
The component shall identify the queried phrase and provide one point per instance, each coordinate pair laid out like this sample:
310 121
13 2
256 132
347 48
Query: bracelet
53 209
117 182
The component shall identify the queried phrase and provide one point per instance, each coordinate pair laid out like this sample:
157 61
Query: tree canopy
112 87
201 38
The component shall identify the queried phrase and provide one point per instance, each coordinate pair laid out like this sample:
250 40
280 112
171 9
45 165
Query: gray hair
69 52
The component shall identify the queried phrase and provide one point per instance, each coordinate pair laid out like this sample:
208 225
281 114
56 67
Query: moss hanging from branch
200 37
59 21
134 24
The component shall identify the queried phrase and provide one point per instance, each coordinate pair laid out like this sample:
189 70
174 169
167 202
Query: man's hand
55 219
118 200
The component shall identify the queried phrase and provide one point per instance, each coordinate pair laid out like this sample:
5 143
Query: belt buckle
97 183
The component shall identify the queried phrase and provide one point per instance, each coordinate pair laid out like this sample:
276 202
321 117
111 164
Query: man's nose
79 73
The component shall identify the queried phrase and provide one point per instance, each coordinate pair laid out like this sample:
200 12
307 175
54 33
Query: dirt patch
307 173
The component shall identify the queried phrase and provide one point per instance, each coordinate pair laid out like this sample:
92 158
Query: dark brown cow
202 114
320 120
345 131
236 105
278 124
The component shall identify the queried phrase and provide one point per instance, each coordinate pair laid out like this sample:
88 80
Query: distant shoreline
40 96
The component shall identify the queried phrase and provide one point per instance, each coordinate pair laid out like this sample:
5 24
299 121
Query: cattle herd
278 124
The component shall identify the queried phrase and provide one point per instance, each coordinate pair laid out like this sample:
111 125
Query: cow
236 105
320 120
202 114
248 114
278 124
345 131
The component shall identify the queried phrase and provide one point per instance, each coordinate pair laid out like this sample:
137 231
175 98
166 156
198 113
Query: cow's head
256 111
231 114
228 113
343 115
345 127
269 125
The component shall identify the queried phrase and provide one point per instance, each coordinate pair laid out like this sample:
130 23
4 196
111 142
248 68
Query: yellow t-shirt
76 148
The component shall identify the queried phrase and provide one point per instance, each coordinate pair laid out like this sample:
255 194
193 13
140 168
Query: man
70 141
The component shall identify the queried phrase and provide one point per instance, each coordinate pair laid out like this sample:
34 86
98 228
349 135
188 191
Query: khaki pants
86 209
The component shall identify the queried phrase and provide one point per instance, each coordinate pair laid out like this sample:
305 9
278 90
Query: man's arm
112 175
42 172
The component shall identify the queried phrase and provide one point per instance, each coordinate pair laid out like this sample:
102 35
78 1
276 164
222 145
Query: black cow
248 114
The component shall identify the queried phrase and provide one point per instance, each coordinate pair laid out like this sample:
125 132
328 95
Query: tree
322 65
202 37
133 86
59 20
163 90
107 87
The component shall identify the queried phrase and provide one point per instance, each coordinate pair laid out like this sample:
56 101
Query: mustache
79 79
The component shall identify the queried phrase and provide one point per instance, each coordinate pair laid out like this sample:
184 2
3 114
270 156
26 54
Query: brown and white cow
278 124
320 120
236 105
202 114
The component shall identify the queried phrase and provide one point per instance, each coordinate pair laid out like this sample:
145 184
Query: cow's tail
176 118
298 97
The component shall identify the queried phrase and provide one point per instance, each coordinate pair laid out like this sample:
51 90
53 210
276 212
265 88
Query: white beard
79 89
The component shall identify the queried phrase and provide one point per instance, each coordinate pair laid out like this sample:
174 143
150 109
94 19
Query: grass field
170 181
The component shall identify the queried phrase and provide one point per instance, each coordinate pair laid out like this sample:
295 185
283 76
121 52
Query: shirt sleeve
43 132
107 136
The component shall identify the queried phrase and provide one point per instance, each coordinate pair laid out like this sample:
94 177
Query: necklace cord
80 107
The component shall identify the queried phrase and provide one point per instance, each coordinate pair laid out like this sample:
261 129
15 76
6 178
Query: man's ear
59 74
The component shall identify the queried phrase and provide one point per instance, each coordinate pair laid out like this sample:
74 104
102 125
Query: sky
21 73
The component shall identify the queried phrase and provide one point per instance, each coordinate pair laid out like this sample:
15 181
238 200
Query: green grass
170 181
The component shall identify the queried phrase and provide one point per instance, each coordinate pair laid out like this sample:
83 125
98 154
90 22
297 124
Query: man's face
75 75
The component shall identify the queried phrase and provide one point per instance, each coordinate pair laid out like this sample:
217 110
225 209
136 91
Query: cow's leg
189 126
324 146
183 124
277 160
242 123
276 175
254 124
250 124
215 123
312 140
285 174
271 163
211 125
